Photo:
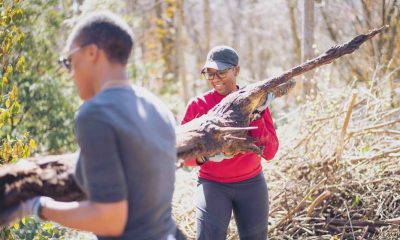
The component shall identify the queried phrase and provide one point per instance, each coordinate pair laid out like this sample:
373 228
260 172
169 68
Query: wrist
201 160
38 208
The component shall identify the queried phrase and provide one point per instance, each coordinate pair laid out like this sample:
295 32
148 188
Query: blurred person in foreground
236 183
126 164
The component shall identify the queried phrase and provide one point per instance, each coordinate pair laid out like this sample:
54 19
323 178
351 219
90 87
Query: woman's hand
258 112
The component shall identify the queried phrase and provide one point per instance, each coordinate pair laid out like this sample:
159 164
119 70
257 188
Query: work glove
219 157
30 207
258 112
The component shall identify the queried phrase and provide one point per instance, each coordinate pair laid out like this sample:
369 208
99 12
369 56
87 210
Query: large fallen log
224 128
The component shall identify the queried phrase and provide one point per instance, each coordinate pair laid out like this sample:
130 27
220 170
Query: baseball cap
221 58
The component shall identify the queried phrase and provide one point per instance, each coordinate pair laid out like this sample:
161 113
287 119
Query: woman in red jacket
234 183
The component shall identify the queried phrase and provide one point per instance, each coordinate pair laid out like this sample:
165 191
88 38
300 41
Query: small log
43 176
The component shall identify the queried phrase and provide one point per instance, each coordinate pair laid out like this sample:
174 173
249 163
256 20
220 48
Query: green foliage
48 101
35 98
30 229
13 63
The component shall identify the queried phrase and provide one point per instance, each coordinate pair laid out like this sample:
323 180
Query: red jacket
242 166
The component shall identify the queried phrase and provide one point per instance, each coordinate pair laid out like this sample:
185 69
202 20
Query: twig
230 136
234 129
376 131
374 126
348 215
339 149
326 194
381 154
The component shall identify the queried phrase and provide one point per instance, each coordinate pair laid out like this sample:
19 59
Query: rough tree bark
224 128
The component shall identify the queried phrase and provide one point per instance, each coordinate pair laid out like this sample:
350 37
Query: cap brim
216 65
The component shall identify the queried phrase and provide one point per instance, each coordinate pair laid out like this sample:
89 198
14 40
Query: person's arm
266 135
192 111
104 181
89 216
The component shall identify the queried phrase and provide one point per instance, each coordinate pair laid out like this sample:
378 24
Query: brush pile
336 176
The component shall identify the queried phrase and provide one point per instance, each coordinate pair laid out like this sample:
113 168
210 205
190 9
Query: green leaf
15 108
9 70
16 225
47 226
5 115
26 152
32 144
365 149
4 80
356 201
7 43
8 103
6 20
17 15
14 93
21 38
7 74
20 66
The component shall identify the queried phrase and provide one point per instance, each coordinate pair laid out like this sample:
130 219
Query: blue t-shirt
127 151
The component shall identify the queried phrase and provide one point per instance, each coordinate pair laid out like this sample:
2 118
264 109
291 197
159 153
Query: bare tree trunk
389 58
164 25
236 19
207 26
368 12
207 35
200 42
250 41
179 51
223 129
293 28
307 45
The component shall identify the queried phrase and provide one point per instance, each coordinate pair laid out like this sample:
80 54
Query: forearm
266 135
271 145
87 216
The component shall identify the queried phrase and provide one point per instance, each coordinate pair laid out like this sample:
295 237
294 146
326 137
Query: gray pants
247 199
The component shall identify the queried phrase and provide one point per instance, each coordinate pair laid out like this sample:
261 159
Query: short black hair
108 32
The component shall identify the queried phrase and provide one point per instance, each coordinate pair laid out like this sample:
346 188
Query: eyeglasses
66 61
220 73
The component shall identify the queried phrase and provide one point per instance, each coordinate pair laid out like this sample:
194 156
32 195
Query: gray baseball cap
221 58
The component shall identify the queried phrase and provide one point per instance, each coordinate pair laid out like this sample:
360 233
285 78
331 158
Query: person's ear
237 71
93 52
